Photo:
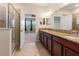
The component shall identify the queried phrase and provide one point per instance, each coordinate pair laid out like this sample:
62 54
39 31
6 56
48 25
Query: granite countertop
66 36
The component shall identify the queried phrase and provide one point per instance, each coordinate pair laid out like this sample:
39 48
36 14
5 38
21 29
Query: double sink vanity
59 43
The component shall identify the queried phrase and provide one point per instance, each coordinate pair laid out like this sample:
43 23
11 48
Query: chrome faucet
75 33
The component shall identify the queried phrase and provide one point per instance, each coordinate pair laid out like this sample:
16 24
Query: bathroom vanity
58 43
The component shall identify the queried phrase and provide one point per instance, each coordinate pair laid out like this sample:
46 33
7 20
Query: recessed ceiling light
76 5
49 13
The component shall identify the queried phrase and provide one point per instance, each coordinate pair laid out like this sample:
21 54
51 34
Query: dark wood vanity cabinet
69 52
64 47
56 49
49 45
49 42
41 37
58 46
45 39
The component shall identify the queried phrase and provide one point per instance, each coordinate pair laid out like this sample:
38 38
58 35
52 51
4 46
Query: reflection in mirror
43 21
11 16
75 22
72 16
11 24
57 22
2 16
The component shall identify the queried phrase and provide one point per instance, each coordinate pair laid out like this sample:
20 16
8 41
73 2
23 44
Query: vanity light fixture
47 14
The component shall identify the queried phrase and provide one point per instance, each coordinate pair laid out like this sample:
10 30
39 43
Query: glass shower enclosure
13 23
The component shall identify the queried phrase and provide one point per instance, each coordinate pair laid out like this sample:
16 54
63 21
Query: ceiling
44 7
71 6
39 7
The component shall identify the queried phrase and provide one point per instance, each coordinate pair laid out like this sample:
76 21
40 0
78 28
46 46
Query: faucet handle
75 33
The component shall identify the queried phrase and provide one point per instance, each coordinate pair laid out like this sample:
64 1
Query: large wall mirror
11 20
75 23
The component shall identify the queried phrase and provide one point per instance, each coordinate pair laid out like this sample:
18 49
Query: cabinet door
45 41
69 52
49 44
56 49
40 37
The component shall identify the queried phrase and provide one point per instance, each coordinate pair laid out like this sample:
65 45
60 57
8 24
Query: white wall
66 19
66 22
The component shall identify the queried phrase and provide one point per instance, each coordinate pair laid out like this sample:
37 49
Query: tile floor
32 48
